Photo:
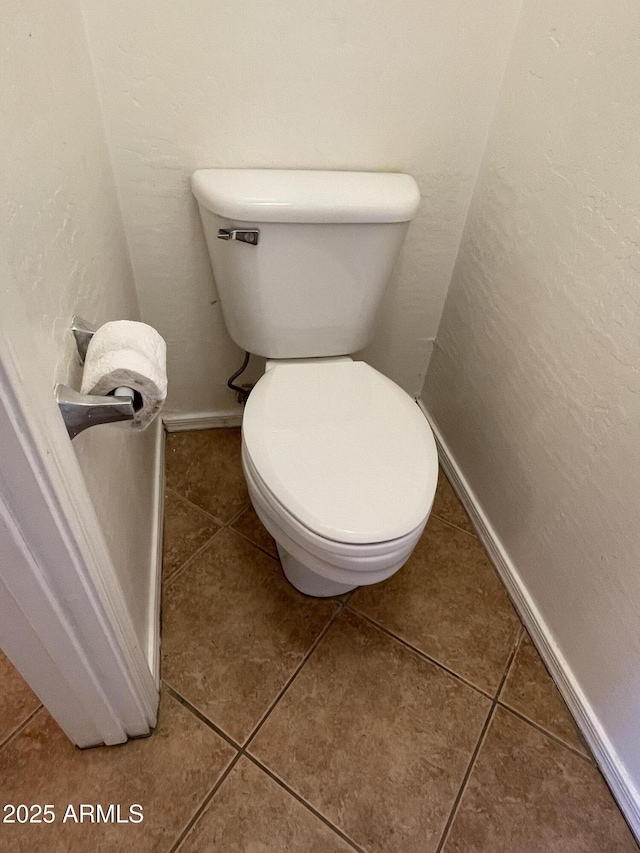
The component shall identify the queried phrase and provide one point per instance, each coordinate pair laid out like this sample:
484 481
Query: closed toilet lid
345 450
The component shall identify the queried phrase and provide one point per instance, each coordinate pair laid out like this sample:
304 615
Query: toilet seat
343 554
341 566
341 450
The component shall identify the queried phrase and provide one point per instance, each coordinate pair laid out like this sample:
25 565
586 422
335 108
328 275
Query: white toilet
340 463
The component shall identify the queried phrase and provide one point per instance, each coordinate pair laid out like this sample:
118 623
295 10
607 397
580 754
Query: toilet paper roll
124 352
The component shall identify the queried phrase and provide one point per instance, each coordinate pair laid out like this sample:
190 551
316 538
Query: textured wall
334 85
535 378
63 237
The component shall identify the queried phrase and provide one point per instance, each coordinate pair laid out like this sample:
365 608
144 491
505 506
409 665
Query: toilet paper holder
83 331
81 411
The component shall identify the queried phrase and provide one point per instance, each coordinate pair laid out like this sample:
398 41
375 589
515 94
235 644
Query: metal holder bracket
81 411
82 332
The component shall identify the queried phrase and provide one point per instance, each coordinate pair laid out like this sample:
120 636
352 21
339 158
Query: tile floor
415 715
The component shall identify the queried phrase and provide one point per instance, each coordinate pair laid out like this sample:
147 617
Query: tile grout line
349 595
195 506
200 716
180 570
204 547
544 731
294 675
491 563
472 763
203 805
523 633
420 653
20 727
239 513
521 715
251 542
455 526
302 801
235 744
481 739
509 665
242 752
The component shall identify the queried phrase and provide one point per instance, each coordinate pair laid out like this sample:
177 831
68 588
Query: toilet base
307 581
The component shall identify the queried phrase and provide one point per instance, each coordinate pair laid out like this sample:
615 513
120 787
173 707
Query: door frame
64 623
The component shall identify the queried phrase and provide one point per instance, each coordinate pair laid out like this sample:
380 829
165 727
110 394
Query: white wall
63 237
535 379
405 86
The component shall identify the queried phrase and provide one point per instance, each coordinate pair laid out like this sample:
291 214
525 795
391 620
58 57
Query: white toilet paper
124 352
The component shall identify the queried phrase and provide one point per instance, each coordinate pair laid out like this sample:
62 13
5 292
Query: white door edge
63 620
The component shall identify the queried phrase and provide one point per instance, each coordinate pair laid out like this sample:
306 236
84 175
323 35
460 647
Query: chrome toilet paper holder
81 411
83 331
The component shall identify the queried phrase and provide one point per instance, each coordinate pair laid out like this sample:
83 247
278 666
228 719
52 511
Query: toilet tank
326 246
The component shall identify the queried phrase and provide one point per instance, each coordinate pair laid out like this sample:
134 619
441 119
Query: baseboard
622 785
202 420
155 585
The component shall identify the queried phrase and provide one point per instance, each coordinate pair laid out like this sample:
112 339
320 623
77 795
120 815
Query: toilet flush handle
250 235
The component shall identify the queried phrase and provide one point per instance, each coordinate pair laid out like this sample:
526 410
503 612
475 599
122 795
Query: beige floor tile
251 812
185 530
17 700
447 505
529 793
233 632
448 602
250 526
530 690
374 737
169 774
205 467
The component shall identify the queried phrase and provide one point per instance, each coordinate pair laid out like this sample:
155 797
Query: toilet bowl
341 468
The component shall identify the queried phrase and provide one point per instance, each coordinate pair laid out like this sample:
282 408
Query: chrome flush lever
244 235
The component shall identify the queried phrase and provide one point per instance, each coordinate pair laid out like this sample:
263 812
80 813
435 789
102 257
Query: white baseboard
202 420
622 785
155 585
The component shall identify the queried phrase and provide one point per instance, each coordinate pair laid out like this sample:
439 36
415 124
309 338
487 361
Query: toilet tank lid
276 195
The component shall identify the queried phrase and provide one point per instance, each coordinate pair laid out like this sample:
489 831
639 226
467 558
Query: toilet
340 462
